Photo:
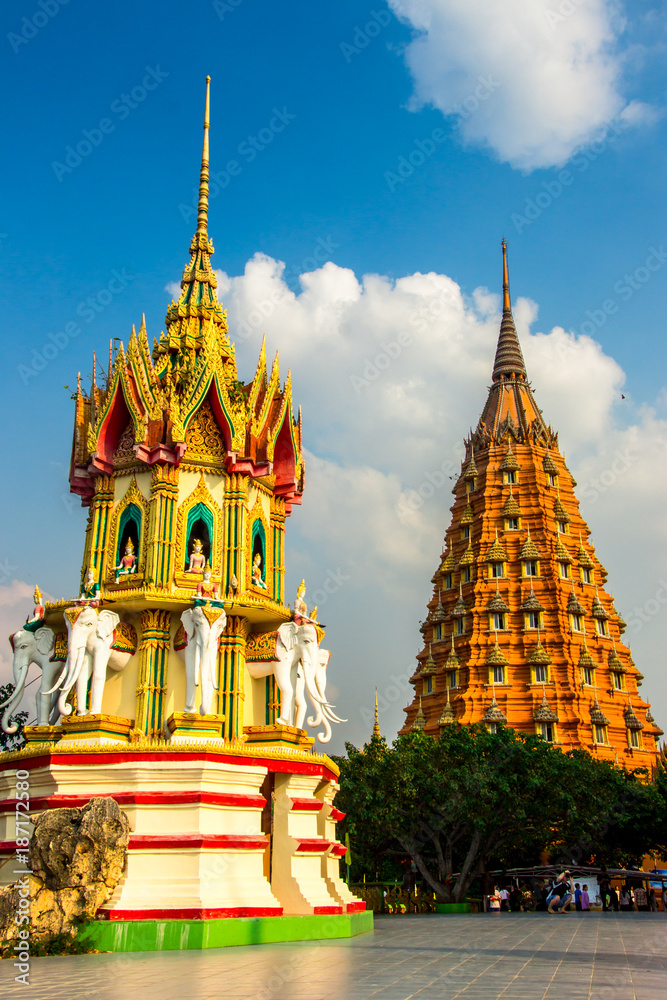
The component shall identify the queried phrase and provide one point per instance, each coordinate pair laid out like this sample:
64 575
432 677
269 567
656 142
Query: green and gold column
97 530
162 526
236 503
154 653
232 675
278 538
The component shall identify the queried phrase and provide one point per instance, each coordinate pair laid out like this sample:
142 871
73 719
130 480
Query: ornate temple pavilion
521 629
178 680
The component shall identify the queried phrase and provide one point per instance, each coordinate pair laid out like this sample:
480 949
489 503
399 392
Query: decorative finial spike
202 207
506 281
376 724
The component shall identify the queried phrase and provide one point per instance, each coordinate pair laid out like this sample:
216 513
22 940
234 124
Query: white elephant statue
33 647
97 640
298 669
203 627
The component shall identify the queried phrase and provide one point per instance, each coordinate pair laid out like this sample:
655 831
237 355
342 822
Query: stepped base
180 935
186 726
96 729
278 736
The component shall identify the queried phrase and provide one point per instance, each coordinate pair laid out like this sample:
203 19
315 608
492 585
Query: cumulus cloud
390 375
531 80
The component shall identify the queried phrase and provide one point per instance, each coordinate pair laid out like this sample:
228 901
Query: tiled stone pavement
454 957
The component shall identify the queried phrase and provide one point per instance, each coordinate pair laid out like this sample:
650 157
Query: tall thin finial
376 724
202 208
506 281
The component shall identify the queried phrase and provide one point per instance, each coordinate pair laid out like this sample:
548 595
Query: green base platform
452 908
184 935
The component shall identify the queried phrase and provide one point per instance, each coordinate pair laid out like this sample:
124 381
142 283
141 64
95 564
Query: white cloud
553 72
391 374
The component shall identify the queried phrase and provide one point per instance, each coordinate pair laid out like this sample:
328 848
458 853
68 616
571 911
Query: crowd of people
564 895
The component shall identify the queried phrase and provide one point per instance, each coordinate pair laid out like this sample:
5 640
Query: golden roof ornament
497 603
531 603
439 614
467 516
559 511
529 549
583 557
453 661
447 718
597 609
470 471
511 507
460 608
420 718
545 713
574 606
429 666
549 465
509 462
561 553
539 655
631 720
448 563
598 718
496 553
496 657
615 663
376 735
494 713
468 556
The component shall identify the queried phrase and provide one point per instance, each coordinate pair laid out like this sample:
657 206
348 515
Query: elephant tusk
59 681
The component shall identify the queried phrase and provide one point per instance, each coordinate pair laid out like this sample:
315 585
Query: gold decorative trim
236 748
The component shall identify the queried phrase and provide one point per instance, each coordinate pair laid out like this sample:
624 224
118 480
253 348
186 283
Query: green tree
472 800
12 741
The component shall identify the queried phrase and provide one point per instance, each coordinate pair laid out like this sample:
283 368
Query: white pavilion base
202 844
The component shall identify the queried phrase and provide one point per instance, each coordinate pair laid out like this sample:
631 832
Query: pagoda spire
376 725
509 361
202 207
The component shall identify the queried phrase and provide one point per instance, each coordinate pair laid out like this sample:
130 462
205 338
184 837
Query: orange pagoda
521 629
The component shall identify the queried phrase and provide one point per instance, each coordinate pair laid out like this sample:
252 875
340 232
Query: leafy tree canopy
472 800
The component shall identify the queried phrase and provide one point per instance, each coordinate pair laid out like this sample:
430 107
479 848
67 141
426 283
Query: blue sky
339 96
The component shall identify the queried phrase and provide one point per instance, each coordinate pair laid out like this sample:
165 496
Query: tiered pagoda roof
524 619
147 407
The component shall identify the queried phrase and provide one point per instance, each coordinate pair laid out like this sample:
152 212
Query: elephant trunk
73 667
13 701
327 731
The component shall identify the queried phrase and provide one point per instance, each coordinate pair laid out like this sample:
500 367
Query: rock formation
77 857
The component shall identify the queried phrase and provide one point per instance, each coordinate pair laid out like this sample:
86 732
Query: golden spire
202 208
376 725
509 361
506 280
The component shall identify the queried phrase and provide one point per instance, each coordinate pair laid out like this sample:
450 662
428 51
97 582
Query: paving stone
532 956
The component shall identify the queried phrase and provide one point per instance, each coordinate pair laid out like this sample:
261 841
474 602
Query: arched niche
258 555
200 517
129 520
200 528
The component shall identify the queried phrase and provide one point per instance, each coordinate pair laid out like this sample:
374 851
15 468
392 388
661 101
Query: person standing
605 894
577 897
504 900
663 898
585 899
625 899
613 899
652 901
641 899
